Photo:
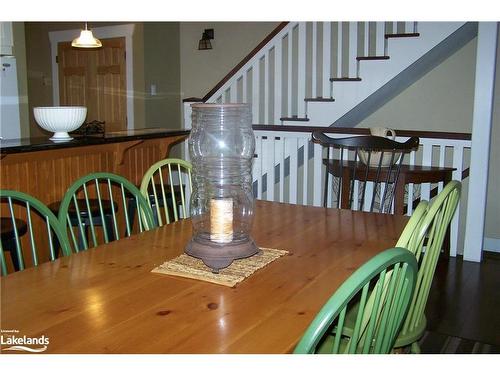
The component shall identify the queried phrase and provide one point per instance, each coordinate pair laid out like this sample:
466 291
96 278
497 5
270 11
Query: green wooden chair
21 207
410 232
382 290
101 187
164 186
426 242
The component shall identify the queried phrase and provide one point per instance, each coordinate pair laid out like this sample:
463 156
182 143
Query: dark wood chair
365 170
11 230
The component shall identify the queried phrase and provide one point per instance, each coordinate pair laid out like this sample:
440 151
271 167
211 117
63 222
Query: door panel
72 76
110 84
95 78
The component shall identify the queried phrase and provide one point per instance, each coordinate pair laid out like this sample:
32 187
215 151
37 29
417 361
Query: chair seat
403 339
7 230
410 337
82 205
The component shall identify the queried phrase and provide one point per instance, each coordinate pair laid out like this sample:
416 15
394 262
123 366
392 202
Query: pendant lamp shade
86 40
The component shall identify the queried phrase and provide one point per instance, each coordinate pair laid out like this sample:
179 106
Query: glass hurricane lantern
221 147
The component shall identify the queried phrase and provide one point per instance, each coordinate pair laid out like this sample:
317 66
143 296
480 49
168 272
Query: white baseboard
492 244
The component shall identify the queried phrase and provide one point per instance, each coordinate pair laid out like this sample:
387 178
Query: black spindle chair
366 169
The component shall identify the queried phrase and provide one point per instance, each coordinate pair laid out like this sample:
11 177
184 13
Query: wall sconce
204 42
86 40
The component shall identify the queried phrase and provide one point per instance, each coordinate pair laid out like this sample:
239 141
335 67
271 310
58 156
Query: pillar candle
221 220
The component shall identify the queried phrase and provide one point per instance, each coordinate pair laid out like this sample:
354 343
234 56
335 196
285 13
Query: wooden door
96 79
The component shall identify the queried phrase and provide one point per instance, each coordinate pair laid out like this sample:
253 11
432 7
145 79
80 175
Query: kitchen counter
45 169
13 146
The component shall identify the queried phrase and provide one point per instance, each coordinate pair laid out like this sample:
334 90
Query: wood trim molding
245 60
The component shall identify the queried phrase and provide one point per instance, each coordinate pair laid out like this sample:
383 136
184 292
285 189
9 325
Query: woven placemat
194 268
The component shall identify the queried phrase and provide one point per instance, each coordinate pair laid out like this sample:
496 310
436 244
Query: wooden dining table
408 174
107 300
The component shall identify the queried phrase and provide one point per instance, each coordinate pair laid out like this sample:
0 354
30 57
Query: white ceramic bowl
60 120
375 158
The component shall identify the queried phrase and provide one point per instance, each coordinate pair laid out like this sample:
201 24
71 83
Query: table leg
399 195
346 187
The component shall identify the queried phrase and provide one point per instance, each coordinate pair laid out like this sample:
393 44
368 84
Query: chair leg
57 246
10 246
131 214
415 348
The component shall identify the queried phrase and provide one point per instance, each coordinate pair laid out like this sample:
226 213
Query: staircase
337 73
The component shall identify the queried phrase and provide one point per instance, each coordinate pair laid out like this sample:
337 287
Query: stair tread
372 58
345 79
319 99
294 118
402 35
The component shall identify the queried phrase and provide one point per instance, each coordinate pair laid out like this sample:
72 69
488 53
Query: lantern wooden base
219 256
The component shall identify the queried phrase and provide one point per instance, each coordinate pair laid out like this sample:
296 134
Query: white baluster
380 39
292 147
368 196
244 87
233 93
281 156
318 162
409 27
340 50
327 45
271 163
255 92
290 77
314 73
278 89
366 39
442 149
257 172
425 189
409 201
353 48
305 182
266 118
458 155
329 193
301 69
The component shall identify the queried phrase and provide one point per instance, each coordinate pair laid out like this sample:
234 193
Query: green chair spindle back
125 200
164 186
426 242
382 289
29 209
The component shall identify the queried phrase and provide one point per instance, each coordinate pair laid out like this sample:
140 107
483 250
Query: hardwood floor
464 301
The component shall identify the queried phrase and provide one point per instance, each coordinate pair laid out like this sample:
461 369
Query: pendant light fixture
86 40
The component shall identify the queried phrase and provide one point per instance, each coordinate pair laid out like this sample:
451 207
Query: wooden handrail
241 63
362 131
